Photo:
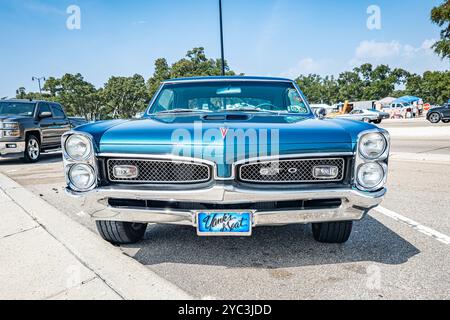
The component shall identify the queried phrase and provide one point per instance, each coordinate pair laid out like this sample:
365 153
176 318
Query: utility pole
38 79
221 38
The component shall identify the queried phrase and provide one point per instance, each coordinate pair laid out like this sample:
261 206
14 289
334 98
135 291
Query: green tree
441 16
312 87
78 96
125 96
162 72
21 93
193 65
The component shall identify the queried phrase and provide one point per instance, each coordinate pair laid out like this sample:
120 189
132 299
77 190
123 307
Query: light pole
221 38
38 79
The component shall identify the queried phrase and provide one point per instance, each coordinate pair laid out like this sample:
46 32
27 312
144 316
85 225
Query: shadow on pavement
272 247
53 157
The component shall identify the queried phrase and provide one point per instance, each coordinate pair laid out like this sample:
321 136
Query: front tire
366 120
434 117
117 232
446 121
32 149
332 232
377 121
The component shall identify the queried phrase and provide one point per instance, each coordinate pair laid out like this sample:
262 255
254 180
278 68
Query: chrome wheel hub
33 149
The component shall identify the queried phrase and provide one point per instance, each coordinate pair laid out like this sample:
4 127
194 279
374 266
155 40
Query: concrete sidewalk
46 255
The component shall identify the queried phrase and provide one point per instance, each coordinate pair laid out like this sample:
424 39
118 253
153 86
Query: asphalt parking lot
398 252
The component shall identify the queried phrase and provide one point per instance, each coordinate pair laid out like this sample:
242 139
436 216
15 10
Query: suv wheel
32 149
332 232
446 121
117 232
434 117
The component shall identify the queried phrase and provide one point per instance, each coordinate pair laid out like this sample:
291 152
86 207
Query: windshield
220 96
16 109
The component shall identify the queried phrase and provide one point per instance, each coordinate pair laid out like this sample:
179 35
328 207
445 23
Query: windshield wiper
180 110
250 109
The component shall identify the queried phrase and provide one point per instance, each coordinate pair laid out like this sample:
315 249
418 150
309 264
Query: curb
130 279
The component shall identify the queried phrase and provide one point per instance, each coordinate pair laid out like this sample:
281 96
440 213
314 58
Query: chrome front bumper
355 204
14 149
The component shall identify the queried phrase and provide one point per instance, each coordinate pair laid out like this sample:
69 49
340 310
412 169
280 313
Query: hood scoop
227 117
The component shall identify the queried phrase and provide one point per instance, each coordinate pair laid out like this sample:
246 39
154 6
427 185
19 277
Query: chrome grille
161 171
289 171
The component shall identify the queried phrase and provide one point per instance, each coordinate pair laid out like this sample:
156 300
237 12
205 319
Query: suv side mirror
321 113
45 114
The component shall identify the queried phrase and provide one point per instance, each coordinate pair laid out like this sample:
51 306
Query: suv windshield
220 96
16 108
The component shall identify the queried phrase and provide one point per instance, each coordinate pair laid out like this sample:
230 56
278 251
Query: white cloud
139 22
412 58
306 66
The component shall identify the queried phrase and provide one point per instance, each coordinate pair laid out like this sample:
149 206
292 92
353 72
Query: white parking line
415 225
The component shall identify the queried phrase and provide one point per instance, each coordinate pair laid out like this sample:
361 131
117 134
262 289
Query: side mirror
45 114
321 113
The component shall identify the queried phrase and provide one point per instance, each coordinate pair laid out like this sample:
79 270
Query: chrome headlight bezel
383 152
362 159
89 160
83 139
379 184
92 177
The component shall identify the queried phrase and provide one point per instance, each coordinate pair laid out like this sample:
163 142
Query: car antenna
221 38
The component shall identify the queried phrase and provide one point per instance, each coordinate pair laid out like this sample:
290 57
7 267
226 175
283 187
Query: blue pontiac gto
225 155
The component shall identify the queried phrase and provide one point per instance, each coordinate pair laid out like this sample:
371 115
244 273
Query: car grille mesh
161 171
289 171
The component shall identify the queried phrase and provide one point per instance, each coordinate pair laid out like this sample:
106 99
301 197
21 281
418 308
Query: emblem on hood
224 132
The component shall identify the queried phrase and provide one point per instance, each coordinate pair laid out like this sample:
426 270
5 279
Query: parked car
225 155
28 128
366 115
437 114
399 109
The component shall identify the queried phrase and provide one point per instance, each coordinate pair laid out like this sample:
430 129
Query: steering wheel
266 104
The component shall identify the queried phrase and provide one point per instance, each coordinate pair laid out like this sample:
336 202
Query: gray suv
28 128
439 114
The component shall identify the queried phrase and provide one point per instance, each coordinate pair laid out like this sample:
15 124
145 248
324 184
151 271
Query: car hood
292 132
200 137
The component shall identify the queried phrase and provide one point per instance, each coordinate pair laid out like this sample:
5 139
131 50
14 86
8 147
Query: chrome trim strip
131 156
210 168
293 181
294 156
225 79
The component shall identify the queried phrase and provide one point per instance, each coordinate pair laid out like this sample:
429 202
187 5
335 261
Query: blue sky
262 37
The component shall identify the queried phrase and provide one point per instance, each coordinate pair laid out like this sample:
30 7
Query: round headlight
82 176
372 145
78 147
370 175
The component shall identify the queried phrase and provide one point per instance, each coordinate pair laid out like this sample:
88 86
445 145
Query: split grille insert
289 171
161 171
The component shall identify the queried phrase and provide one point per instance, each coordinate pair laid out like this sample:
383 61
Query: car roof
27 101
227 78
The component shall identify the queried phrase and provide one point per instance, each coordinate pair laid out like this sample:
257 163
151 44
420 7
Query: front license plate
224 223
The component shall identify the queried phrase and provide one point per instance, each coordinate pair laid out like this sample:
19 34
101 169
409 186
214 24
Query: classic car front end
225 155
